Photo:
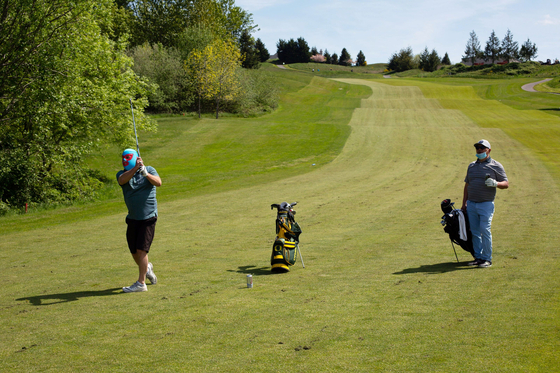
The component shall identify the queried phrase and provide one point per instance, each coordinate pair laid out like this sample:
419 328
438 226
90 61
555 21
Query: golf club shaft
134 123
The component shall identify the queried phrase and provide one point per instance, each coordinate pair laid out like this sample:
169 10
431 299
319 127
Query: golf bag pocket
284 254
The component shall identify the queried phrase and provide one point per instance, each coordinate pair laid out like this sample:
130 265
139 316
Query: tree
361 59
429 61
445 60
492 49
528 51
423 59
510 48
328 58
472 49
214 72
249 53
158 21
61 96
262 51
402 61
433 61
302 51
163 66
293 51
334 59
194 38
345 58
162 21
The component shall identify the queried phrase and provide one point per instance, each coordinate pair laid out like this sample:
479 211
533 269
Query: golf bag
452 221
285 248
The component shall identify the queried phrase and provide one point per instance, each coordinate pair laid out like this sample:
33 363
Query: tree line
495 51
298 51
68 70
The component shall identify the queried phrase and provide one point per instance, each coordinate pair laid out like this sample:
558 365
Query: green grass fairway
381 291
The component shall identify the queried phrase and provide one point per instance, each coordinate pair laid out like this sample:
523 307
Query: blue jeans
480 220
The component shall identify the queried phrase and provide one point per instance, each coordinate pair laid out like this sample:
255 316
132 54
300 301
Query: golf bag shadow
452 221
285 248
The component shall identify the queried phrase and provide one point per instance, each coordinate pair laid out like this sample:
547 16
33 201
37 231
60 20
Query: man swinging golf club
483 177
138 183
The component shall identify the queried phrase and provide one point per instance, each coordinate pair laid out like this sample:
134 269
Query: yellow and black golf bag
285 249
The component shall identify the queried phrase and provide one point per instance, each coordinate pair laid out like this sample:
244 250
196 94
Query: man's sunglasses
480 147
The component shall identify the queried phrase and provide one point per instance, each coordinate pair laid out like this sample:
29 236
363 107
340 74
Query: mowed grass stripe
536 129
380 291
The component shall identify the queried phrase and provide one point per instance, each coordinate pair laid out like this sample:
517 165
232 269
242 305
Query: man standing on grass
138 183
483 177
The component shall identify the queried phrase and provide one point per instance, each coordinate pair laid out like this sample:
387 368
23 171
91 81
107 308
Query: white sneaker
136 287
150 275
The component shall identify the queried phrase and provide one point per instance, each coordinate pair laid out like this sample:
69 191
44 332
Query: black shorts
140 234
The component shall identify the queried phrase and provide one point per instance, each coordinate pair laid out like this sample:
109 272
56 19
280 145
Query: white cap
484 143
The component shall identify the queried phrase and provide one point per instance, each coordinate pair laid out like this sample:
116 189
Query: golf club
134 123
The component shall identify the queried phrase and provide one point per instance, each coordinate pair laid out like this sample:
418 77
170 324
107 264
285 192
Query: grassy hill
369 162
526 70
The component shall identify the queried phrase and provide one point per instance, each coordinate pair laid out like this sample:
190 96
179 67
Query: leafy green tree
492 49
262 51
214 72
402 61
194 38
198 67
163 66
528 51
510 48
344 58
162 21
159 21
249 53
61 96
472 49
120 24
361 59
445 60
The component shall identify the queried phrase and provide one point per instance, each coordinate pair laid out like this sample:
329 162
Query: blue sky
380 28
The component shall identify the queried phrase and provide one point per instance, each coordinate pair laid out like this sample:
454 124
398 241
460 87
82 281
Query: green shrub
258 94
164 67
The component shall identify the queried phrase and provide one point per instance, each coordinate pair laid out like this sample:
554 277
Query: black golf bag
285 248
451 221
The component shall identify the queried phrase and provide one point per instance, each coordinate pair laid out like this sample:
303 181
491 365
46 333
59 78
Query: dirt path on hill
531 86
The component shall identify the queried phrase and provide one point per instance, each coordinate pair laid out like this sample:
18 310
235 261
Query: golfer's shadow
436 268
48 299
253 270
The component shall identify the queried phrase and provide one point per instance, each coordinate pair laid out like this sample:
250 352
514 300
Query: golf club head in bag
456 225
285 248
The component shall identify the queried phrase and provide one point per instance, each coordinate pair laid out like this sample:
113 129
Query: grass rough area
381 290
